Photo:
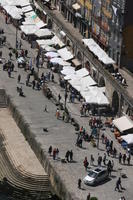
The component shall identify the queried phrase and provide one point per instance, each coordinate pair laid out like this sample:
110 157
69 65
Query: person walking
52 77
86 163
16 54
19 78
104 159
120 157
54 153
57 153
67 155
118 185
79 183
10 55
109 168
114 152
50 150
33 84
45 109
128 158
59 98
71 156
124 158
57 113
99 160
88 196
92 160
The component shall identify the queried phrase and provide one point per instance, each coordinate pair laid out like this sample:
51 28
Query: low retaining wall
55 179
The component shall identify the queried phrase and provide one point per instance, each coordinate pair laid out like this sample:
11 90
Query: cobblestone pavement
60 134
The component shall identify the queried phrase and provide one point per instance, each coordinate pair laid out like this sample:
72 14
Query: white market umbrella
51 54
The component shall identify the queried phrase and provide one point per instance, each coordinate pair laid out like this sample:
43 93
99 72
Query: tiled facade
107 22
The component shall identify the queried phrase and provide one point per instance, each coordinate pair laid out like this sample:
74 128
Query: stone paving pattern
60 134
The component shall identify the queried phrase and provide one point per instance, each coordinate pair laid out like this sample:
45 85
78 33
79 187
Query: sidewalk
60 134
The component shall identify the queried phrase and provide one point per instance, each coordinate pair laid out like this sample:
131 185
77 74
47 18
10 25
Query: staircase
3 103
21 185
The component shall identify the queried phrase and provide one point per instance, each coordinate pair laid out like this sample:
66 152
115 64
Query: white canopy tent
82 72
47 42
30 14
96 49
65 54
56 40
82 84
3 3
51 54
128 138
43 32
123 123
68 70
13 11
15 2
27 9
59 61
48 48
28 21
78 74
29 29
94 96
40 24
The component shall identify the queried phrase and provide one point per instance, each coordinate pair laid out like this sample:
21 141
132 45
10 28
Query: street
60 135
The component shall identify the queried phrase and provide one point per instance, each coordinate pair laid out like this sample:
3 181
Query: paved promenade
60 134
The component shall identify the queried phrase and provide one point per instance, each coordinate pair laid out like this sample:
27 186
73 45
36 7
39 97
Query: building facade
107 22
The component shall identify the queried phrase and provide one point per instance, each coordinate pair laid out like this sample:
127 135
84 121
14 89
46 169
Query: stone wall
57 184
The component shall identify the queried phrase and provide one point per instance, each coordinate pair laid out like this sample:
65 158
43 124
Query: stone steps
22 183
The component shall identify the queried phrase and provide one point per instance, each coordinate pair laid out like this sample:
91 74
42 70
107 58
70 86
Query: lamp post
66 95
99 124
16 37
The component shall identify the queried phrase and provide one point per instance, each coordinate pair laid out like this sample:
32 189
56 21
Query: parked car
130 149
96 176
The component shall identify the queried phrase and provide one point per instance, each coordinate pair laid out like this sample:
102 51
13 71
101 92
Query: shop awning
128 138
29 29
45 42
93 95
43 33
98 51
51 54
48 48
76 6
59 61
27 9
123 123
13 11
78 74
68 70
83 83
56 40
76 62
65 54
41 24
